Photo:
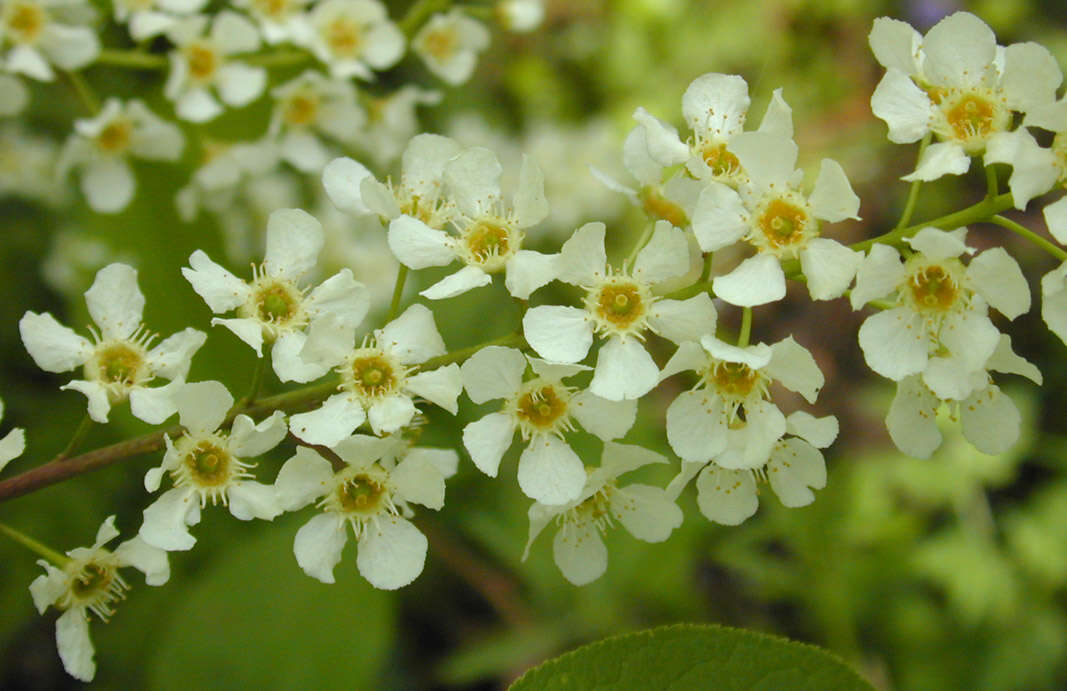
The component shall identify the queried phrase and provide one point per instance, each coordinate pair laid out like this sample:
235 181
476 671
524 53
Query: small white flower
621 307
489 235
12 444
377 379
542 410
648 513
206 464
449 45
149 18
307 107
940 326
279 20
100 145
957 83
274 305
353 37
37 41
371 493
392 122
770 213
28 164
520 16
229 169
118 362
89 582
202 61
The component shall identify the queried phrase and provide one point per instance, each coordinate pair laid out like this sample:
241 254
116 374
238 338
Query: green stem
84 92
34 546
639 245
991 182
79 435
913 191
132 59
398 292
1030 235
257 383
419 13
976 213
746 327
281 58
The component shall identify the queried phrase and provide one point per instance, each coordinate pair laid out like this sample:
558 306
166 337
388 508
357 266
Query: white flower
541 409
353 189
308 106
392 122
12 444
371 493
279 20
118 363
353 37
728 416
100 146
647 512
28 164
449 45
770 213
377 379
489 235
957 83
205 464
202 62
520 16
273 305
940 326
148 18
89 582
989 418
229 168
1034 169
621 307
37 41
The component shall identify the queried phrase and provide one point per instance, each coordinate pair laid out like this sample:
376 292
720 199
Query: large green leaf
675 658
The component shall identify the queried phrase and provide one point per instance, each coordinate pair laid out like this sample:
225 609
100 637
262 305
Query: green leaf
689 656
254 620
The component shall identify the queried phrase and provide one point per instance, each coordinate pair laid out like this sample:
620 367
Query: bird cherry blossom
449 44
31 40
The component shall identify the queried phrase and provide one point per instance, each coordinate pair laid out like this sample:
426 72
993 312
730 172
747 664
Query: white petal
726 496
959 50
250 500
198 106
220 289
767 158
318 546
202 406
54 347
12 446
527 271
664 145
720 217
646 512
417 245
750 446
794 367
696 429
413 336
248 330
154 405
417 480
997 278
392 555
601 417
895 44
342 178
903 106
424 162
149 560
493 372
624 370
912 419
337 418
108 185
75 648
833 199
665 256
115 302
879 275
1005 360
529 203
579 552
171 358
165 520
1053 301
465 279
942 158
756 281
939 244
342 297
893 343
778 118
689 356
820 432
441 386
294 240
683 320
69 47
98 403
562 334
248 440
304 151
287 362
473 177
716 104
990 420
550 472
234 33
392 412
796 466
829 267
303 478
582 259
487 440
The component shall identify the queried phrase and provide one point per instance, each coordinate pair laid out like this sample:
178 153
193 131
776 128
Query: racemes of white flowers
488 235
148 18
988 417
958 84
772 214
32 39
309 106
542 410
939 326
648 513
229 170
420 193
207 464
12 444
274 306
202 61
449 44
371 493
621 307
353 37
715 107
378 378
89 582
118 363
100 146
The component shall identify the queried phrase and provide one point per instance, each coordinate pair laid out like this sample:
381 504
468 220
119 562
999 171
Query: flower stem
984 210
913 191
281 58
84 92
1030 235
79 436
991 182
132 59
34 546
746 327
398 292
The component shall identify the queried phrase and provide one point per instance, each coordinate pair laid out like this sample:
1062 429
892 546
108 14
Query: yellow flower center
275 9
209 464
277 303
115 137
344 37
783 224
25 21
934 289
94 584
620 304
371 374
119 366
440 44
542 408
722 163
733 379
659 207
490 243
301 109
360 494
203 60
